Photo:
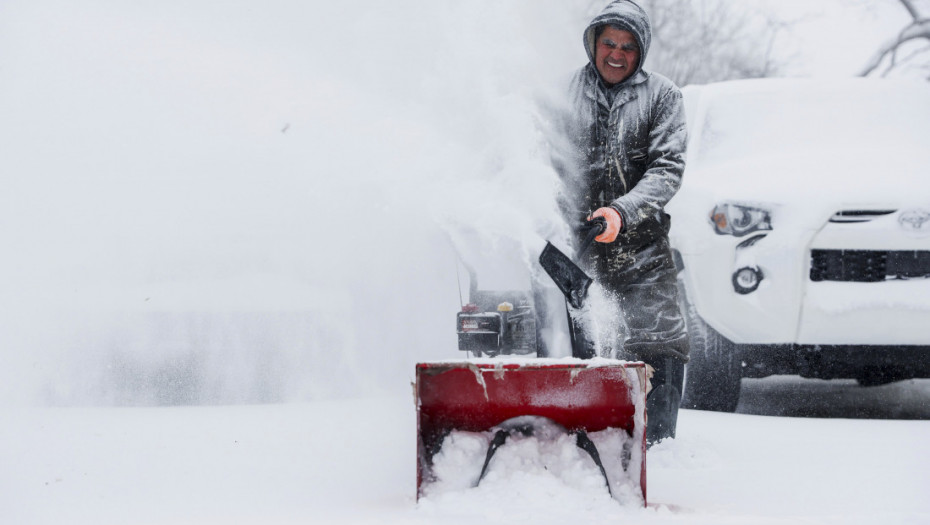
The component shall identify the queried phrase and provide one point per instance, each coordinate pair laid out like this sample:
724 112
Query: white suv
803 229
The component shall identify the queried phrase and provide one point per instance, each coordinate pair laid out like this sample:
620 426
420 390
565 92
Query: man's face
616 55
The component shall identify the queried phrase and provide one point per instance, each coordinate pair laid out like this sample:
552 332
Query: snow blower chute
596 405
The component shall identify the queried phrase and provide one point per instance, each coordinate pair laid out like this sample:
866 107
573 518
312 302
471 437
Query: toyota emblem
916 220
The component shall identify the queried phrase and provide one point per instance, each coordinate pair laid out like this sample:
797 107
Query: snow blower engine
497 323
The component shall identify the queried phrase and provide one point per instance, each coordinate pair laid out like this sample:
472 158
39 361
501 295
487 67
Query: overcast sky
835 37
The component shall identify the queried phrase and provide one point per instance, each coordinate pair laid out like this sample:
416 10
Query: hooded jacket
627 151
630 137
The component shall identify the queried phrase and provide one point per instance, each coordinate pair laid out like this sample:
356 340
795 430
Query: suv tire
713 373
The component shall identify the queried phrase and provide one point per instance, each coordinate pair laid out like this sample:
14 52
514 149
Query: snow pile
547 464
548 452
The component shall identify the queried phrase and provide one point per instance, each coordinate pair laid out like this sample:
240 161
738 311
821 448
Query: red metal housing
476 396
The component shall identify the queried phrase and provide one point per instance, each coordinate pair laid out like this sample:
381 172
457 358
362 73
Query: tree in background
702 41
909 50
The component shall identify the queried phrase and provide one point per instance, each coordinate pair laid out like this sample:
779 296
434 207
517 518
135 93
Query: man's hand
614 224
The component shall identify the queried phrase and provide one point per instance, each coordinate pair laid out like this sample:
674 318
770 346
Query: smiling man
616 54
627 155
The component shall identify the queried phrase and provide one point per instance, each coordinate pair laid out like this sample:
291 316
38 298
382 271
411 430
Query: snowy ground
354 462
232 203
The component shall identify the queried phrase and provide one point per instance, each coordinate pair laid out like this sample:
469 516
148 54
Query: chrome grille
847 216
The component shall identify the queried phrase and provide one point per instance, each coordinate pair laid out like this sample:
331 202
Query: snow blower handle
589 230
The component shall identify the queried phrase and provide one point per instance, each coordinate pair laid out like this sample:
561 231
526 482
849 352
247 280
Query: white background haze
233 203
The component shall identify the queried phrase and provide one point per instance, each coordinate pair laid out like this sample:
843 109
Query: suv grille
868 265
848 216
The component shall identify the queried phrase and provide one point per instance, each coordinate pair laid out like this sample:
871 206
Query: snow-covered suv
803 229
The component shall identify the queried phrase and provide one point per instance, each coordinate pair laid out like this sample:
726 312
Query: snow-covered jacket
630 137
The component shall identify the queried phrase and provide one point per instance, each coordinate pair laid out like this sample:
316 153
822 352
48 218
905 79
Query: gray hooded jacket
628 153
631 137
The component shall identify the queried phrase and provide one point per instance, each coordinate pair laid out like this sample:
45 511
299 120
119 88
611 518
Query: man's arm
668 139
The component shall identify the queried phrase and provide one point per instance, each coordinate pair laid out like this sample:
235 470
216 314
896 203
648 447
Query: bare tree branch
701 41
911 8
919 29
916 31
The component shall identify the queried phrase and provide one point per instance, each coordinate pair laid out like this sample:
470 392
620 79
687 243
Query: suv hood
816 178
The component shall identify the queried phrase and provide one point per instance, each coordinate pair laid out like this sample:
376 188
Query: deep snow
353 461
226 204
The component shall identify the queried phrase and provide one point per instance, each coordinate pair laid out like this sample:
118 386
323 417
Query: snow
166 165
273 197
525 361
826 107
554 475
353 461
549 456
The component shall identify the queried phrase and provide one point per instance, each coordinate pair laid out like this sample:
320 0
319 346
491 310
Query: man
627 128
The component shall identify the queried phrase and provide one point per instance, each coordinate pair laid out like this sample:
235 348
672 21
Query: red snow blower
508 393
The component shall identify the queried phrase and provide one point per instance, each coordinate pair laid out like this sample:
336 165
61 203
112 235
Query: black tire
713 373
870 377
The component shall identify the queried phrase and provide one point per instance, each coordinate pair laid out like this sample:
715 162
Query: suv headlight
737 220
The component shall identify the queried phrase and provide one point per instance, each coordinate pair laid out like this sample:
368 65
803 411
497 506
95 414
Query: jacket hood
626 15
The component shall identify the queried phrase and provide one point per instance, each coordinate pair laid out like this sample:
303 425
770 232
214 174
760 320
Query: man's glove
614 224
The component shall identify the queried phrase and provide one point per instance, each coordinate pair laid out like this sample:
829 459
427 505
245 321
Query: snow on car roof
737 119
